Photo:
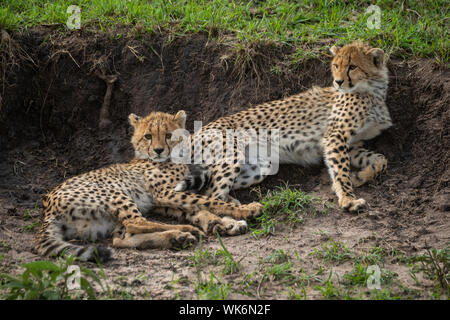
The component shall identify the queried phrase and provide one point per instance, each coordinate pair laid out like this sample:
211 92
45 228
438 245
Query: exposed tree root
104 111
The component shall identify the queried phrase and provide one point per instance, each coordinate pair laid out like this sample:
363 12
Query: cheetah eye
148 136
352 67
335 65
168 136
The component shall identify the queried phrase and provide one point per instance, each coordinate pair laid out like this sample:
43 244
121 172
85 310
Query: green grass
30 227
45 280
333 251
204 257
212 288
292 278
277 256
358 276
374 255
331 291
408 29
29 215
435 265
230 265
285 205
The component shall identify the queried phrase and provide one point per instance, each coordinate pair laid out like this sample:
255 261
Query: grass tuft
285 205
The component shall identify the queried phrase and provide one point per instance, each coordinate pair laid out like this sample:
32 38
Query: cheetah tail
50 242
196 180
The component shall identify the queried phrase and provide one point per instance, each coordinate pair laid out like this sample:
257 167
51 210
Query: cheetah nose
339 82
158 150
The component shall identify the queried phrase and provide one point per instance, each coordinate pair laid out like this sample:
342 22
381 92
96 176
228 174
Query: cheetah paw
253 209
182 240
356 180
352 205
196 232
234 227
227 227
233 200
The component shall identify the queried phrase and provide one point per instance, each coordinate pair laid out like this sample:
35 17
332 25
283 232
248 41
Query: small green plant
45 280
212 289
202 257
4 245
328 290
285 205
357 276
277 256
248 282
333 251
374 255
231 265
30 227
282 271
435 264
28 215
294 295
383 294
172 286
331 291
279 268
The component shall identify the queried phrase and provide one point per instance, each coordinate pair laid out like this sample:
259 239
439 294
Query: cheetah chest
378 120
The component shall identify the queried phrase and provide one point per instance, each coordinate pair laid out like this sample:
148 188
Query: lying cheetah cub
328 123
112 201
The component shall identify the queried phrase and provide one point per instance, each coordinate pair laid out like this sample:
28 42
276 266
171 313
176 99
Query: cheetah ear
334 50
133 119
180 117
377 55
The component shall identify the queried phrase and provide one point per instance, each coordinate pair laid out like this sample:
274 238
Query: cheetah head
357 67
152 137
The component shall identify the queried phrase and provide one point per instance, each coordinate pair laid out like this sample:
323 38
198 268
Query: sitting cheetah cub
112 201
328 123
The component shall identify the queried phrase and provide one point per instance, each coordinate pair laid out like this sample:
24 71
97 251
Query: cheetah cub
328 123
113 201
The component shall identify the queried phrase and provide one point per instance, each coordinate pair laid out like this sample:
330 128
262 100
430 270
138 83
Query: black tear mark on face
350 84
375 61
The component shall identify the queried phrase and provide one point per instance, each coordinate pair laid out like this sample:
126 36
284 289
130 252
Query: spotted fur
327 124
115 200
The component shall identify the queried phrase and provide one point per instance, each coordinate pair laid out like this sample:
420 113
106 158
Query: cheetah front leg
338 162
222 180
208 222
212 224
225 171
370 163
131 218
144 226
192 203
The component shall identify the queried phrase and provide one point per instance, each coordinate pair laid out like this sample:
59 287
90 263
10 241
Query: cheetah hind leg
141 225
157 240
371 164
